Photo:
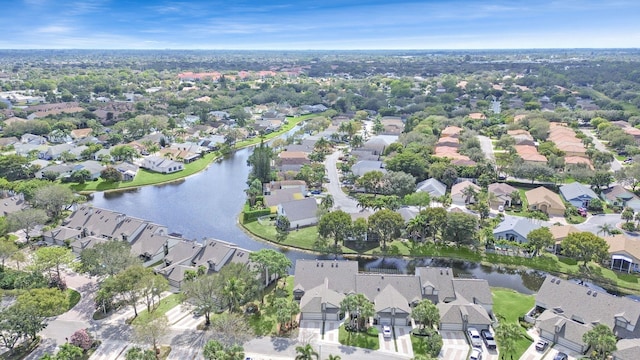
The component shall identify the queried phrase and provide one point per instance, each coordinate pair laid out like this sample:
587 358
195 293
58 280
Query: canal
207 205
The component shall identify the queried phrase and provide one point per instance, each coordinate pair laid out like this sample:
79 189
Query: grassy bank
307 239
508 306
145 177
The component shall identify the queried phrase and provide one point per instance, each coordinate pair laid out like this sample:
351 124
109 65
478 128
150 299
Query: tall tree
53 199
539 239
336 225
585 246
202 294
51 258
426 313
436 221
108 258
151 287
254 190
26 220
260 160
602 340
507 334
128 284
461 228
286 309
386 224
270 262
358 307
150 329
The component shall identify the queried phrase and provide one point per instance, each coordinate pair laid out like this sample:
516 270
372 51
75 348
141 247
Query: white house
161 165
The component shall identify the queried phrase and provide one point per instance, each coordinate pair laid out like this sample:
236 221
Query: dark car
560 356
488 339
541 345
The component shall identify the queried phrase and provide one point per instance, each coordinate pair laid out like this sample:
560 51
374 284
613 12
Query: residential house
55 152
161 165
392 125
8 141
300 213
452 131
321 285
378 143
545 200
618 196
635 132
11 204
364 166
459 193
33 139
501 194
92 166
627 349
152 244
564 311
516 228
298 185
577 194
624 252
83 243
529 154
128 170
293 160
432 186
277 197
80 133
62 170
559 233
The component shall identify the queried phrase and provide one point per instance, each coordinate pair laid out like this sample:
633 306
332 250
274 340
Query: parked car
386 331
582 212
560 356
476 354
474 337
488 339
501 208
541 344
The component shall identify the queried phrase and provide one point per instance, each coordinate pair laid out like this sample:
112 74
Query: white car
474 337
476 354
501 208
386 331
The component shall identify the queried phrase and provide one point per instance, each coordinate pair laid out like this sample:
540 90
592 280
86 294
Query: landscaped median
368 339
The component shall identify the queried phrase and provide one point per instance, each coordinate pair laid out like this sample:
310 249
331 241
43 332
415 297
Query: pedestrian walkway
184 353
331 329
403 340
110 349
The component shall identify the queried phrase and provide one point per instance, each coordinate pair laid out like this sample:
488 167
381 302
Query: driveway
340 199
615 164
487 147
593 223
454 345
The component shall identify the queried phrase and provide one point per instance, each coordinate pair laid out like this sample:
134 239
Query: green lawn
162 307
366 340
508 306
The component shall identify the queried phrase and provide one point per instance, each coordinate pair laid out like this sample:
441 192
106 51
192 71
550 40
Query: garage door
479 326
451 327
333 316
569 344
311 316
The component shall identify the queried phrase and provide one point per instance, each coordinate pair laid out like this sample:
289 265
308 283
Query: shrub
81 339
629 226
253 215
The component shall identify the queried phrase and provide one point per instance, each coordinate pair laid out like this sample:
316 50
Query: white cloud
54 29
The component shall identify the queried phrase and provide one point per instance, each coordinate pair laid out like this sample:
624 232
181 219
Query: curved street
341 200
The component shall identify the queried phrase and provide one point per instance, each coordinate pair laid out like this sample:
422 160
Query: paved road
487 147
593 223
340 199
615 164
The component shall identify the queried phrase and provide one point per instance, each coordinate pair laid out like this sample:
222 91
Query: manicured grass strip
508 306
162 307
366 340
73 297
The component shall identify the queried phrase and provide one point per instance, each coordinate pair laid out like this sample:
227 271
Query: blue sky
318 24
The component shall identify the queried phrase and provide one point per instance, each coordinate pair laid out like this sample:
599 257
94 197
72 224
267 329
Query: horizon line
286 49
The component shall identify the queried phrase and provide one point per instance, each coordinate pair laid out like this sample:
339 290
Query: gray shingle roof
432 186
313 299
440 279
575 190
519 225
628 349
390 298
476 291
575 301
300 209
370 285
340 273
451 313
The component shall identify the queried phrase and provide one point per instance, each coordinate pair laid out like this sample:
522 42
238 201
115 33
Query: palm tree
417 227
306 353
334 357
627 214
470 194
605 229
233 292
507 335
327 202
515 198
357 141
